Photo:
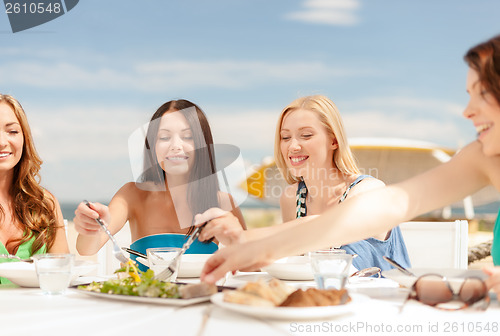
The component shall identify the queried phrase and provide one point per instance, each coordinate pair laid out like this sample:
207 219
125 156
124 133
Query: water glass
54 272
160 258
330 268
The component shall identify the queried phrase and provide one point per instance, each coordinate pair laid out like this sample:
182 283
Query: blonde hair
329 116
32 207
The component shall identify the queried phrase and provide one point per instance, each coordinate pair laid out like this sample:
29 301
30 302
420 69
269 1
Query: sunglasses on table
435 290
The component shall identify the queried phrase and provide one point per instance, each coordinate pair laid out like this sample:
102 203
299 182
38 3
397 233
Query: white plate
455 276
190 266
290 313
291 268
142 299
24 274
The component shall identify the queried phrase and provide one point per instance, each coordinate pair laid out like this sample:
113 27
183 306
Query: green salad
147 286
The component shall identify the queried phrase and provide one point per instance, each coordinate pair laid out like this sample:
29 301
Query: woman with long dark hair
178 180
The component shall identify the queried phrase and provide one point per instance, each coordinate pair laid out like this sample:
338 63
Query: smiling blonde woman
474 167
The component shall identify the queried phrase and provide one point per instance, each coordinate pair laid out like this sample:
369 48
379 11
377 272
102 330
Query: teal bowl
170 240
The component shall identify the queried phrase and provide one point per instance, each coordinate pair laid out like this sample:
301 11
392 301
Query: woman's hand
222 225
85 218
493 281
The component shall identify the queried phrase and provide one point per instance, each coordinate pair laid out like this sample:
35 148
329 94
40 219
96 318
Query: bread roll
236 296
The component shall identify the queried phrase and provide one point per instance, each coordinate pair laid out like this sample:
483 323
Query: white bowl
291 268
24 274
192 264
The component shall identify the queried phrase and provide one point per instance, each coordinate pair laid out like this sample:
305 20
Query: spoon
399 267
366 272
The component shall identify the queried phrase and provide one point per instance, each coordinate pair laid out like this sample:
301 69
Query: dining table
378 307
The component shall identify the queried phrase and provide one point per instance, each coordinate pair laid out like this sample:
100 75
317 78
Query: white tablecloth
26 311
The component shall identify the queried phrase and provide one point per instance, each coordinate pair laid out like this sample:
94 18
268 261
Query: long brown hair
485 60
203 183
32 207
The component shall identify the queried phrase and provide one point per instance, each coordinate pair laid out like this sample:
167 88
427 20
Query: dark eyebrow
12 123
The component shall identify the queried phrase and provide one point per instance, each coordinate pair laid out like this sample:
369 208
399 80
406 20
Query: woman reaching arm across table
313 155
474 167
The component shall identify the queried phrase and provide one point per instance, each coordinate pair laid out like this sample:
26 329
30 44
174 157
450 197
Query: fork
117 252
167 272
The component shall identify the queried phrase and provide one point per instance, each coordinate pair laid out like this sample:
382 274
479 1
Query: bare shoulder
368 183
51 197
134 190
128 195
473 157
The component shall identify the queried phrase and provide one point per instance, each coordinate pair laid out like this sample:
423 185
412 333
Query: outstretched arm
361 216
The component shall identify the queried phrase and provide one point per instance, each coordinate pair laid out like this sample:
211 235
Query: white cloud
249 129
378 124
161 76
432 120
77 133
417 105
330 12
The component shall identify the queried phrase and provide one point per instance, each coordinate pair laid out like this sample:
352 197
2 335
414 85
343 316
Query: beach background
91 77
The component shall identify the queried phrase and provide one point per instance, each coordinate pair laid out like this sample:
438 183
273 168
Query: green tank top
495 248
23 252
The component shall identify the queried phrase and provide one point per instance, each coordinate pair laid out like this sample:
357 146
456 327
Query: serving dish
142 299
291 268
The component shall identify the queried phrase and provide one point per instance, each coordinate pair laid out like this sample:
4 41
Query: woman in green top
31 221
472 168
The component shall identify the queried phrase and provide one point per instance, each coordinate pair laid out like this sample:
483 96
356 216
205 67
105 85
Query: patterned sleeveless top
370 251
302 195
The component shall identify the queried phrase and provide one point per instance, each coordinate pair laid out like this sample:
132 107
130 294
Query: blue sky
89 78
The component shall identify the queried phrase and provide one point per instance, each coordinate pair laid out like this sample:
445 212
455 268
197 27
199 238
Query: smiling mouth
3 155
483 128
176 158
298 159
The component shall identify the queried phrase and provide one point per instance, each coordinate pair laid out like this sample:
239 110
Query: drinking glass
330 268
54 272
161 257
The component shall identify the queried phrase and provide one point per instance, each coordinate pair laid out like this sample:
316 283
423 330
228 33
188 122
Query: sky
91 77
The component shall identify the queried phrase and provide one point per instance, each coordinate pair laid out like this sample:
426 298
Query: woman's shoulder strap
356 181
